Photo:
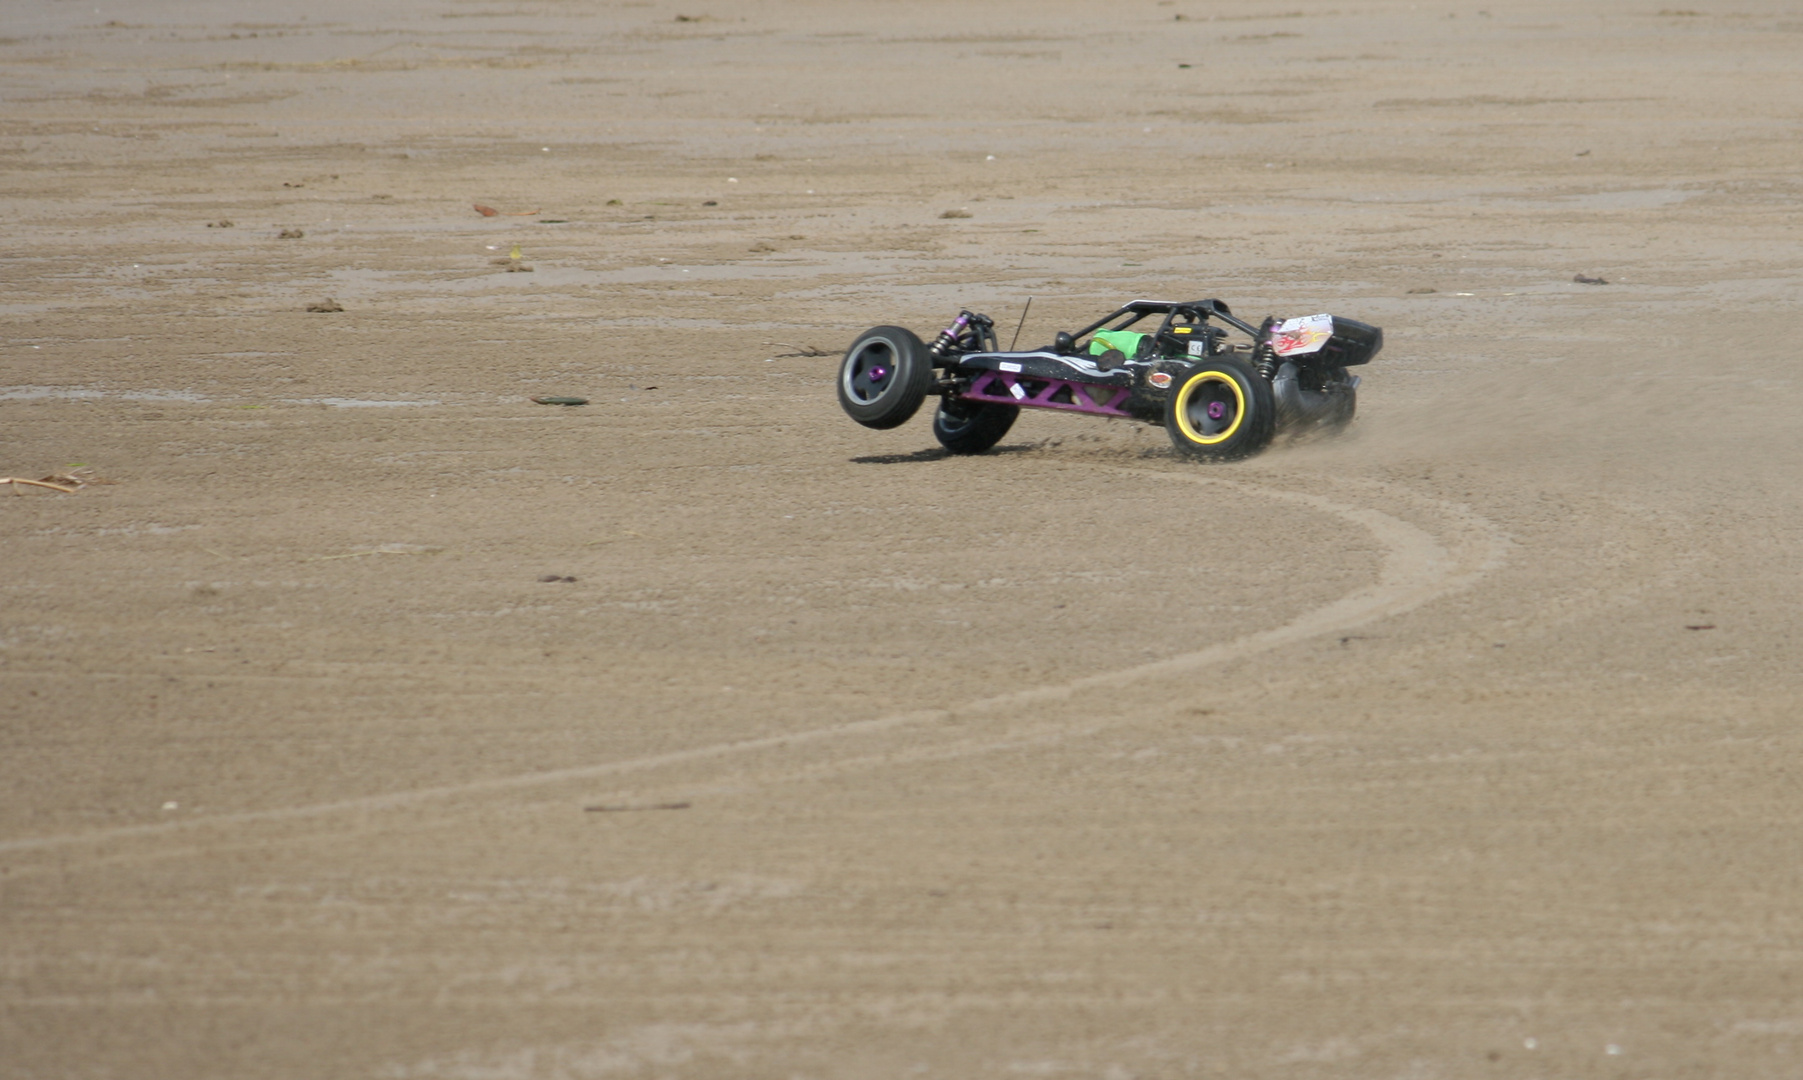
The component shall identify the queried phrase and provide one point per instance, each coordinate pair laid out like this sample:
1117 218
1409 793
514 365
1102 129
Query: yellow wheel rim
1187 393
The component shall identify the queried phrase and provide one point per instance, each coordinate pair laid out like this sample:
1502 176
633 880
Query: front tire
884 377
971 427
1220 410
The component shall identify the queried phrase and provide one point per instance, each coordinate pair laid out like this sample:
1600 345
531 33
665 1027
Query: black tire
1346 403
1220 409
1314 411
884 377
971 427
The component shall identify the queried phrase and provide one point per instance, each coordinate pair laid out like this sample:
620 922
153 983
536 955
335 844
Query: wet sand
1458 746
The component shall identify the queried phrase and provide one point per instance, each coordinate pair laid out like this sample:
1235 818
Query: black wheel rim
1210 408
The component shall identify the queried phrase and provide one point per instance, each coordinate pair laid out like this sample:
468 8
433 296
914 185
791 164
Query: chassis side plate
1006 388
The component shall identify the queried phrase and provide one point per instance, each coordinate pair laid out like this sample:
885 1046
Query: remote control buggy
1177 364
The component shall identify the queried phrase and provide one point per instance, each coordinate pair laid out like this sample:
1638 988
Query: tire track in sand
1418 566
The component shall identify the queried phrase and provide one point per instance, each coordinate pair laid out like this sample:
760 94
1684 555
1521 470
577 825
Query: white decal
1293 337
1019 393
1198 348
1006 366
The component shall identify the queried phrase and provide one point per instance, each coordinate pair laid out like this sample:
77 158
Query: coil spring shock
948 338
1264 358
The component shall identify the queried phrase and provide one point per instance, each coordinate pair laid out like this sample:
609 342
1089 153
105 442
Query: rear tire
1345 407
1220 410
971 427
884 377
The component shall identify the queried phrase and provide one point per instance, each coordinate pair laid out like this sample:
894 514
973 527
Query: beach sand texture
1464 745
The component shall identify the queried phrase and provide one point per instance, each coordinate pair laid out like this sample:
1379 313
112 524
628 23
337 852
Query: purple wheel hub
878 374
1217 410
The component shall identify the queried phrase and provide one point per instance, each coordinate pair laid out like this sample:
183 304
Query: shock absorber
1264 358
948 338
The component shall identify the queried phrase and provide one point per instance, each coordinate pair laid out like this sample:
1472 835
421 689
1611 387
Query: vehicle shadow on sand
937 453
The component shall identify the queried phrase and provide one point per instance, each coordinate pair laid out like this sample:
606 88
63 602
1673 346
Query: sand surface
1465 745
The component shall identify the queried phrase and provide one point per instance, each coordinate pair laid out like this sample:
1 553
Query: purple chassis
998 387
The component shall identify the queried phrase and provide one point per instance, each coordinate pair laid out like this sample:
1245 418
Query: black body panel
1353 343
1045 364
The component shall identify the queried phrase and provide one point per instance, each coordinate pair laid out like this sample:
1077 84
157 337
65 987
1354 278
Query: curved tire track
1418 567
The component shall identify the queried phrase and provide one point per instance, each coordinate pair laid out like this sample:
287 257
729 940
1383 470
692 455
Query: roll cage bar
1193 312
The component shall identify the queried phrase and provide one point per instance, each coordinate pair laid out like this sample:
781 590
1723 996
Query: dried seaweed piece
799 350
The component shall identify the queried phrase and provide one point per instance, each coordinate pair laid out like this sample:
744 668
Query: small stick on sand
34 483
